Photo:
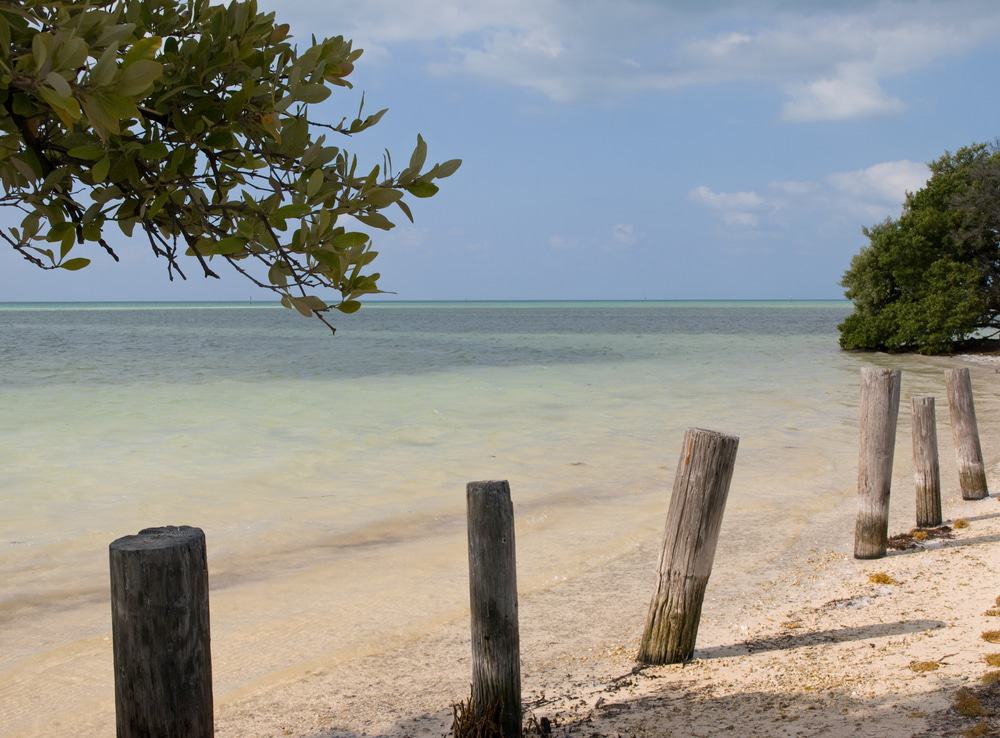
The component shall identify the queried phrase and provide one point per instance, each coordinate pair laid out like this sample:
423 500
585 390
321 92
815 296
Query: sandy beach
821 650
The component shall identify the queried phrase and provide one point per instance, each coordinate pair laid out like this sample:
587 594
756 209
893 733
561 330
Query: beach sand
821 650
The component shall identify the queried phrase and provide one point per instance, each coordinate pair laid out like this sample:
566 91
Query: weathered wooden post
694 517
879 412
159 619
496 655
926 470
971 471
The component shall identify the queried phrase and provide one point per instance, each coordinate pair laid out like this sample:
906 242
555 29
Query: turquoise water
328 471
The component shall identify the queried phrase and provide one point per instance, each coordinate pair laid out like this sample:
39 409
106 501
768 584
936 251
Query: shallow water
328 472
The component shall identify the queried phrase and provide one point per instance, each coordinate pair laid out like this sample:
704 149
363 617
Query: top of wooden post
167 536
489 486
713 434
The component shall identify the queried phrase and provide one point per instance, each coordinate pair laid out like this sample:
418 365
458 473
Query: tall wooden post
971 470
926 470
879 412
694 517
159 620
496 656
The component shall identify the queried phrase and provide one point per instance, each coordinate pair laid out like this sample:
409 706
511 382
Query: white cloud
736 209
884 183
867 194
726 200
851 93
832 61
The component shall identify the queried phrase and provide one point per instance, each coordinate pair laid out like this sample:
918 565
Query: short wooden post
159 619
879 412
694 517
926 470
496 655
971 470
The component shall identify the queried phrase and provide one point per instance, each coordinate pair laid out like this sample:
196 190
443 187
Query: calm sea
328 471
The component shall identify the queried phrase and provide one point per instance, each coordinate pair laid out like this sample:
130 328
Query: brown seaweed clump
979 730
960 523
880 577
993 612
922 667
990 677
968 704
991 636
913 539
992 659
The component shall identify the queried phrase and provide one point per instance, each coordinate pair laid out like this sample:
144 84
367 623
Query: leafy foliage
930 279
189 123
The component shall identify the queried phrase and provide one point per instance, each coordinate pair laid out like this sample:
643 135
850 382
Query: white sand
821 651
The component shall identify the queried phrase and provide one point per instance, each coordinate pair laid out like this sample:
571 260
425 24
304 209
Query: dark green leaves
924 281
206 146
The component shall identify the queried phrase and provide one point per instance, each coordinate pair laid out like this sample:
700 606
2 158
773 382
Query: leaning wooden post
926 470
694 517
159 620
971 471
496 657
879 412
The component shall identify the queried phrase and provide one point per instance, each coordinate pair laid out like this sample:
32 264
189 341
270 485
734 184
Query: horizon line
454 300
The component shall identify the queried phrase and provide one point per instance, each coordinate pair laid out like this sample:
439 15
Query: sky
630 149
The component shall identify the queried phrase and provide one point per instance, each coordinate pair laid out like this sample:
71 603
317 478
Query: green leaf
100 170
67 108
315 183
419 155
89 152
349 306
74 264
406 210
138 77
311 93
349 240
292 210
375 220
307 305
446 169
382 197
59 84
422 189
278 275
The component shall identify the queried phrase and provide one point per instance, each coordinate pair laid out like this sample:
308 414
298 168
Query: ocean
328 472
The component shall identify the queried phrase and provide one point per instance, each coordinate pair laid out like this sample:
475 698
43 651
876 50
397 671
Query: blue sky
632 149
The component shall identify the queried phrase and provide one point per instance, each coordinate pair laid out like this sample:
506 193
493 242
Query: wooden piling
694 517
926 469
971 470
159 619
879 412
496 659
